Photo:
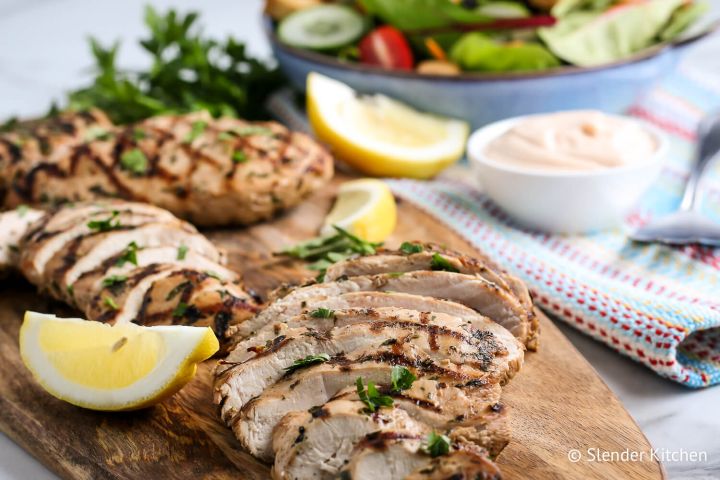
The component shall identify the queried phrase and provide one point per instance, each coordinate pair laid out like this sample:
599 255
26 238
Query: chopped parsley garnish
401 378
409 248
113 280
251 130
70 290
128 255
371 397
197 129
239 156
212 274
307 361
110 223
138 134
322 313
180 310
324 251
22 210
182 252
177 289
439 262
436 444
97 133
134 161
111 303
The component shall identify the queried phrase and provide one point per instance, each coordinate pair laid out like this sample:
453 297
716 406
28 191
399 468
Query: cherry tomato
386 46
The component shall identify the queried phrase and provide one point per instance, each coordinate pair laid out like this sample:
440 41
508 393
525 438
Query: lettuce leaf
563 7
682 19
478 52
588 38
421 14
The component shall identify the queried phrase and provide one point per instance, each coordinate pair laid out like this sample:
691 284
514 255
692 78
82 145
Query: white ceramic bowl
562 202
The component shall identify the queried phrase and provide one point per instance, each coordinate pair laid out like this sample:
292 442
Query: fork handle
707 149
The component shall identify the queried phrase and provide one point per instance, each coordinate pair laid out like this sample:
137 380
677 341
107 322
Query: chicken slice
475 292
396 261
462 463
382 456
318 445
14 225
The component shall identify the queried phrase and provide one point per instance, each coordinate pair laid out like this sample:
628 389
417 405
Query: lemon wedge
111 368
364 207
380 136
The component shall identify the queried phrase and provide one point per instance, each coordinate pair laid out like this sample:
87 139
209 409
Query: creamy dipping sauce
579 140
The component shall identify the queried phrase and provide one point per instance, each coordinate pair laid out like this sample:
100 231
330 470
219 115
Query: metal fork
687 225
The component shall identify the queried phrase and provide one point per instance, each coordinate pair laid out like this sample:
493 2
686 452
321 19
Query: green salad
453 36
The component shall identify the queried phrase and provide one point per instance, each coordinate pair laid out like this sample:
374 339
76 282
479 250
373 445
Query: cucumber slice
325 27
503 10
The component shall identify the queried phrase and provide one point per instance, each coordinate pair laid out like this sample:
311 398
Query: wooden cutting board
558 401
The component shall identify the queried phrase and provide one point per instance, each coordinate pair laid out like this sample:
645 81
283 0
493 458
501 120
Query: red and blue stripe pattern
656 304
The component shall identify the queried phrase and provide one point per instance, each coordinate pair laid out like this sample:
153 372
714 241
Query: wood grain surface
558 401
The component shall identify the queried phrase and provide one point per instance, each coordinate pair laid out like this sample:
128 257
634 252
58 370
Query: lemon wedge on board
111 368
365 208
380 136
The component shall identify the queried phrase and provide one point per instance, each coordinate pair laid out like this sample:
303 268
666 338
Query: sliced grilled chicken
383 456
69 225
472 408
127 262
241 381
14 225
475 292
210 171
318 444
434 257
453 314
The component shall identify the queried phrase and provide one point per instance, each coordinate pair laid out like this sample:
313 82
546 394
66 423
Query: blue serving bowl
482 98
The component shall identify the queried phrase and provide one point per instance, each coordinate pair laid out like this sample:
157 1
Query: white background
43 53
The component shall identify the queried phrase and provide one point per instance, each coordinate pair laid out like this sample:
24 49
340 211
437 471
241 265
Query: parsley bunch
188 72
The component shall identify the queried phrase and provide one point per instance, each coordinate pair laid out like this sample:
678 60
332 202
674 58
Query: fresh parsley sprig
401 378
371 397
107 224
324 251
307 361
436 444
438 262
187 72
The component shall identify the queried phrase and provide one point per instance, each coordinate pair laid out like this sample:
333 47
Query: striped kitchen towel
656 304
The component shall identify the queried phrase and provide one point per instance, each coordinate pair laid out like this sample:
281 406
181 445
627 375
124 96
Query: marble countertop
43 53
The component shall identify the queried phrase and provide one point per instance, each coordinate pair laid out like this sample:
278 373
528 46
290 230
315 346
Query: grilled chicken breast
124 262
209 171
